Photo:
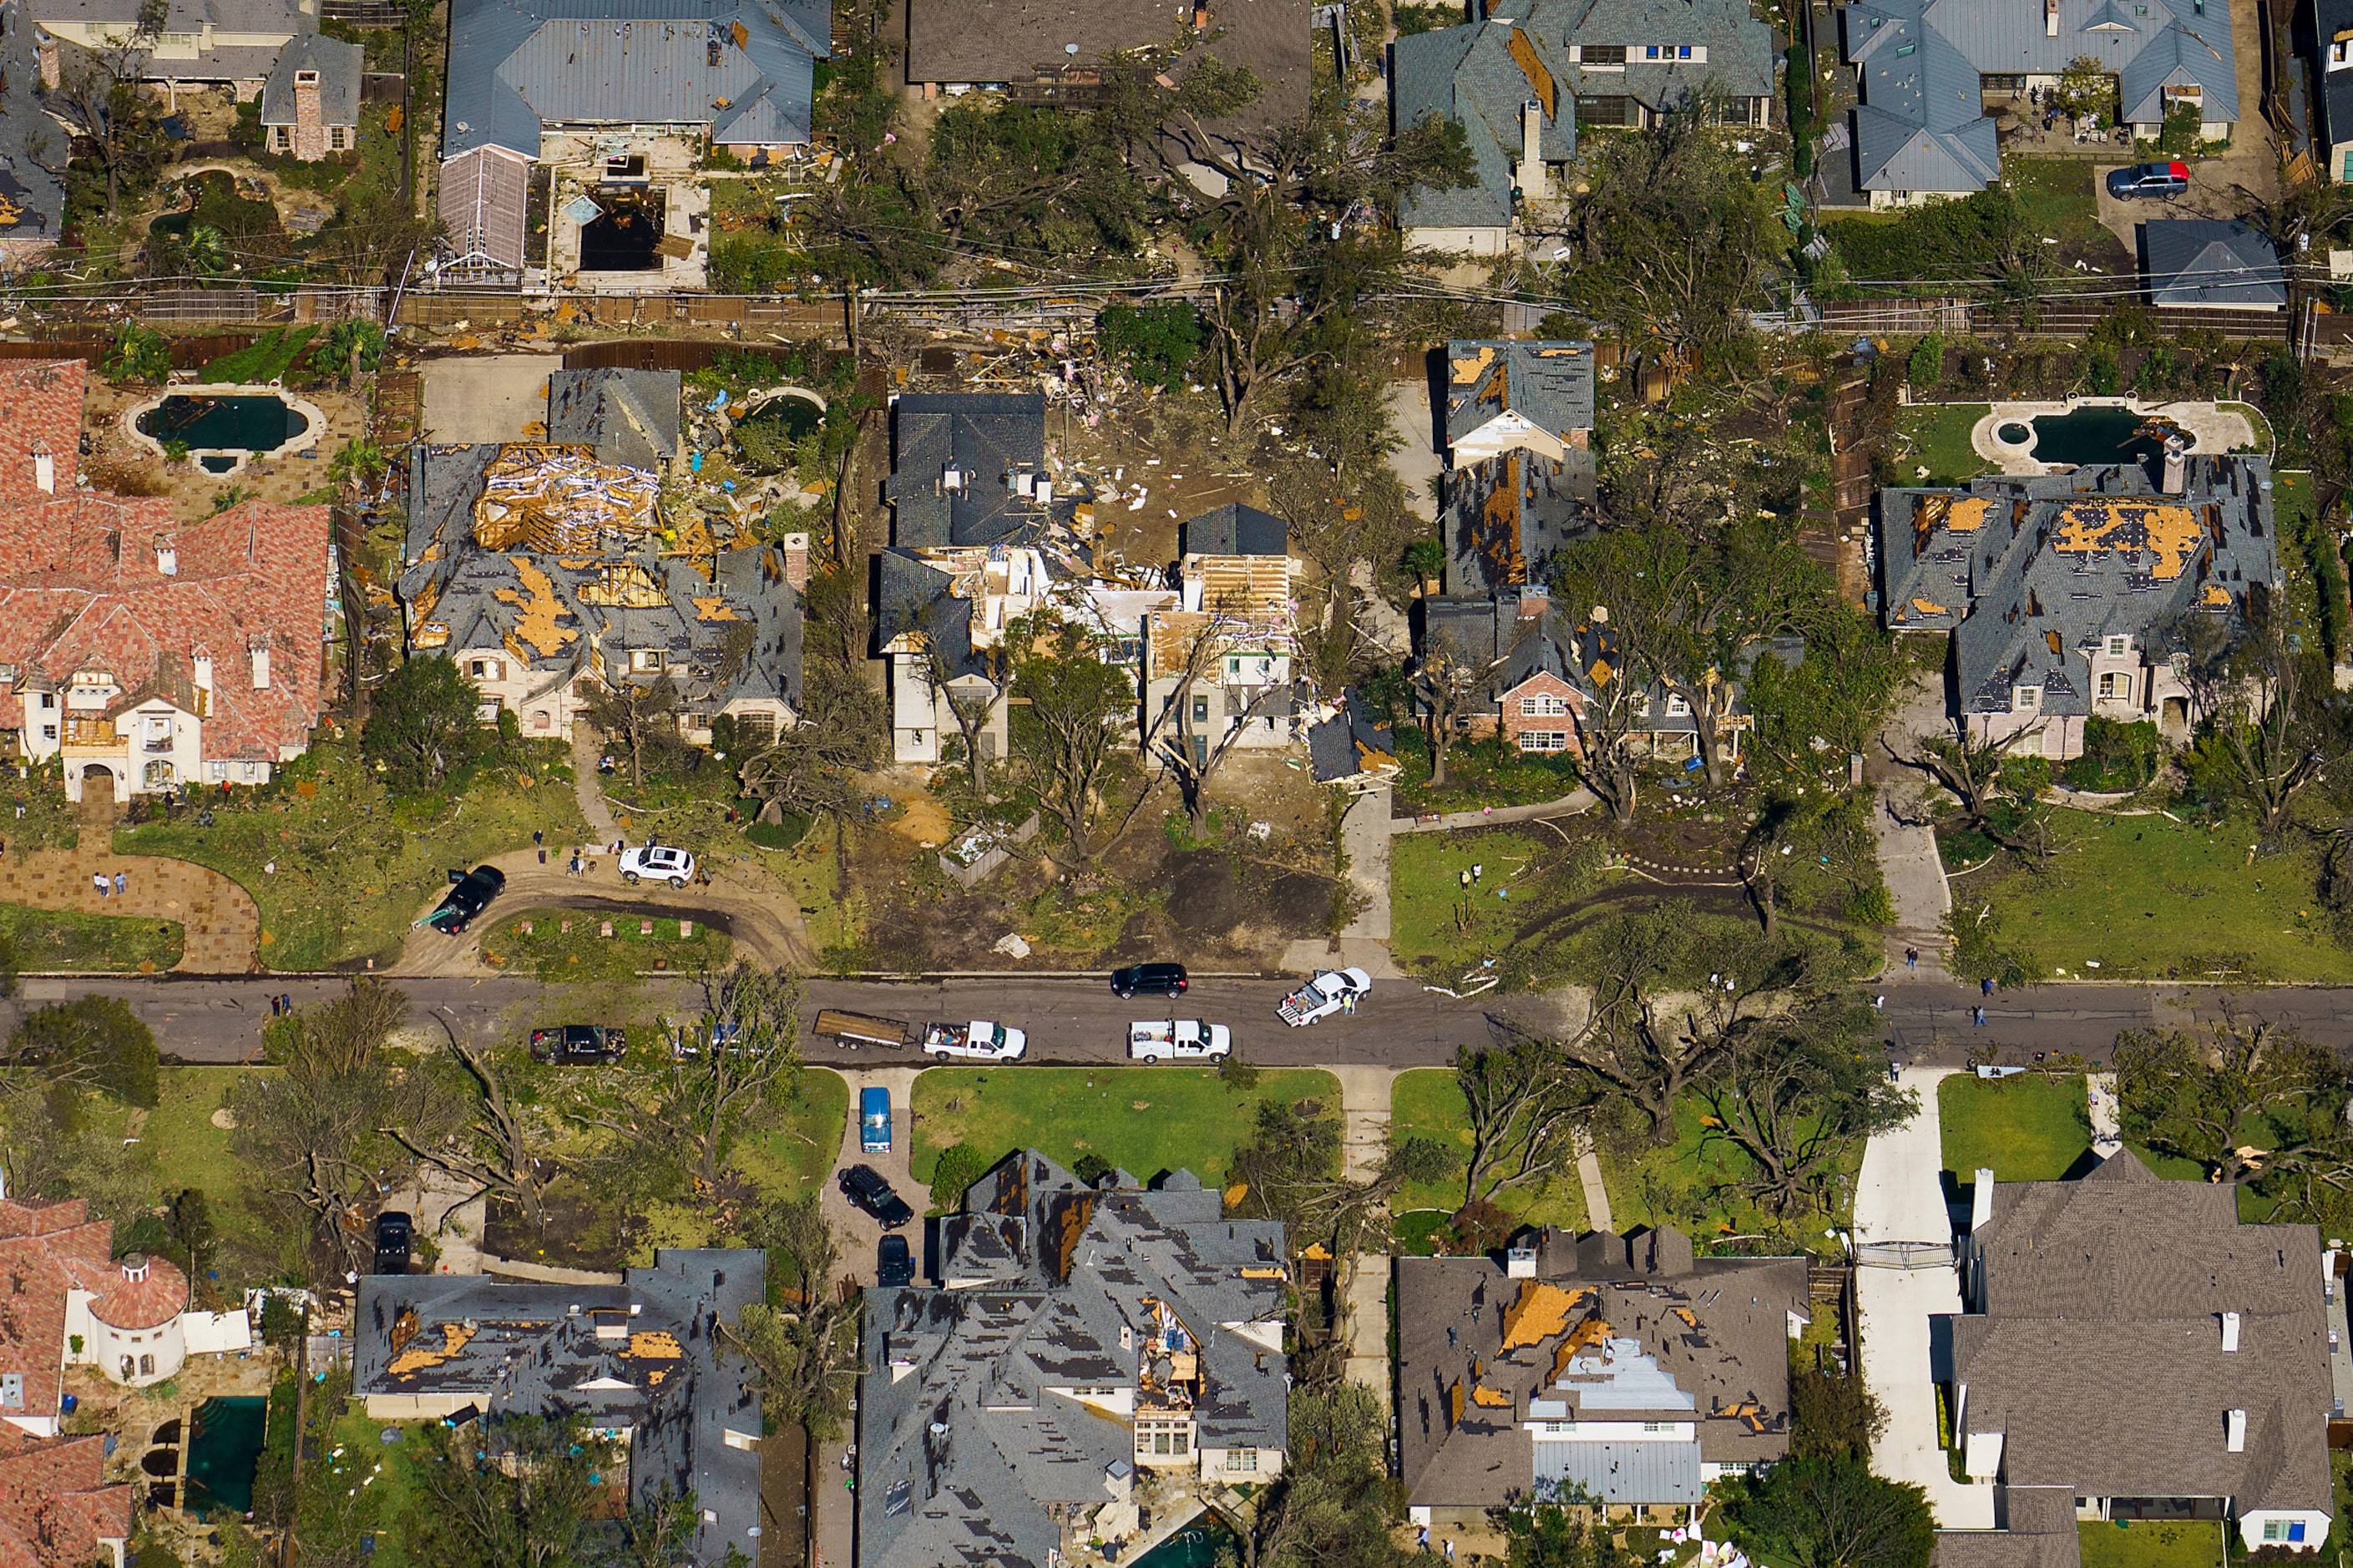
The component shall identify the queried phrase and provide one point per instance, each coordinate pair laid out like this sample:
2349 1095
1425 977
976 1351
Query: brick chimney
310 130
48 56
797 562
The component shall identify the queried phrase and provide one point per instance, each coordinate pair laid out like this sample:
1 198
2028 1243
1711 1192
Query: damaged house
1626 1369
1520 478
2065 595
1080 1336
1225 649
642 1362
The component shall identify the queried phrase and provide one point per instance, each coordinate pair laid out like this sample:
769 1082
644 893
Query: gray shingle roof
987 438
32 187
2035 1527
630 416
2332 89
338 65
2097 1347
658 1367
2211 261
1235 529
1350 744
914 597
1505 517
1549 385
515 63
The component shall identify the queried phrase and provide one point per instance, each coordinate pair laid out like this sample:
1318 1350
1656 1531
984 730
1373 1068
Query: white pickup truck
1177 1040
980 1040
1328 993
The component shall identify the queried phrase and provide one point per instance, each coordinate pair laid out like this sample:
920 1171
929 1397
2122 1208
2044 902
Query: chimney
2050 18
1201 18
2177 467
1534 600
1022 482
49 55
260 651
45 468
951 479
1042 492
1981 1200
2229 1333
309 129
1520 1262
1531 169
202 658
2234 1432
797 562
2328 1270
134 1267
167 556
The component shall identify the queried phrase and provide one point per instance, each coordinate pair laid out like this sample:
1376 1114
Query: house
1519 429
644 1362
1505 517
76 1304
1228 643
630 417
2129 1342
203 43
923 626
2324 36
1352 747
33 148
1508 394
544 573
2064 593
967 470
147 653
1628 1370
57 1510
2217 263
1080 1334
619 91
1523 88
310 104
40 425
1925 68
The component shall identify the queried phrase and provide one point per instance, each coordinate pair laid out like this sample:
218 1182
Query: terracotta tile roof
46 1250
151 1301
55 1507
81 588
40 411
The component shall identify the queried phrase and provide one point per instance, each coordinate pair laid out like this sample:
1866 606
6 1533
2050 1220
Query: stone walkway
586 747
222 924
2107 1125
1569 805
1589 1176
1915 882
1366 1096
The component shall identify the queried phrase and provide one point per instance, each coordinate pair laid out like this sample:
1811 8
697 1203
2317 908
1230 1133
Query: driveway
1900 1197
858 1228
2227 184
1418 462
487 397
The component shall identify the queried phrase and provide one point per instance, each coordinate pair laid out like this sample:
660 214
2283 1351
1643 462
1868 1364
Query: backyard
49 940
1936 436
2147 897
184 1146
1142 1119
2148 1543
1428 1103
2024 1129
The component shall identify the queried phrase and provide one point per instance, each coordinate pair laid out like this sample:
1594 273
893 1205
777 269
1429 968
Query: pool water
257 422
2097 436
2015 434
1198 1545
224 1447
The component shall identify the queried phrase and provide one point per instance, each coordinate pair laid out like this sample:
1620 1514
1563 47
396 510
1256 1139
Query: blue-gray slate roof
743 68
1351 743
1506 516
630 416
987 440
2211 261
338 65
1548 383
645 1353
32 145
1235 529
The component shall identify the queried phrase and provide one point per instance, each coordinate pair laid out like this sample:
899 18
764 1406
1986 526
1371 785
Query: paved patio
222 925
2216 429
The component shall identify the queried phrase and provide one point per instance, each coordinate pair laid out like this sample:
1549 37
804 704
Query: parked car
894 1263
864 1185
395 1231
874 1120
2164 180
1177 1040
855 1029
579 1045
469 894
980 1040
656 862
1149 980
1328 993
688 1040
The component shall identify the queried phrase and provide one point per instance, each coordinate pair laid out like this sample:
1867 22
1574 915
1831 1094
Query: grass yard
2024 1129
1479 773
2058 196
1936 437
1433 923
2148 1544
2267 443
352 865
792 1158
1694 1185
381 1476
2147 897
184 1148
570 944
1142 1119
64 940
1426 1103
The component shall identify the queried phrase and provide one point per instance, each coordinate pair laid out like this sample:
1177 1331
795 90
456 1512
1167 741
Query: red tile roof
149 1302
46 1250
40 410
81 588
55 1507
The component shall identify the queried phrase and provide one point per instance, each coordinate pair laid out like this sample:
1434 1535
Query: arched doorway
97 788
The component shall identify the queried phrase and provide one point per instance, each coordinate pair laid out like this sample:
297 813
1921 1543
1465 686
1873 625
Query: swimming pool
223 1449
221 429
1195 1546
2101 434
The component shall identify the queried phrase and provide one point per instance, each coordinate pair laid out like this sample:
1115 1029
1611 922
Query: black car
393 1233
864 1185
578 1044
2164 180
1149 979
893 1264
471 893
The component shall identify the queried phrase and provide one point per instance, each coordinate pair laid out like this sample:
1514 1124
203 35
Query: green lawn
570 944
1695 1185
1936 437
64 940
792 1157
1433 921
1479 773
2266 442
2142 896
2058 195
1142 1119
2147 1544
383 1476
2024 1129
1426 1103
184 1149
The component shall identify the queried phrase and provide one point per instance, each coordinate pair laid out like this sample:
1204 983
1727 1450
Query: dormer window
2026 698
2116 646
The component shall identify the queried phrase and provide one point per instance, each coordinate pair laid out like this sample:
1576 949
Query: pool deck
2215 429
314 431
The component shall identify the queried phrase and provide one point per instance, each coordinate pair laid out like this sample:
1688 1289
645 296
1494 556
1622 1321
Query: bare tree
804 1348
1193 749
969 706
2281 729
1971 768
1525 1104
98 95
1796 1098
1445 683
642 714
498 1148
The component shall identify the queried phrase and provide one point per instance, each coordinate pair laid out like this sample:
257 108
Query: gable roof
2211 261
2332 89
630 416
57 1509
1506 516
1547 384
338 65
1235 529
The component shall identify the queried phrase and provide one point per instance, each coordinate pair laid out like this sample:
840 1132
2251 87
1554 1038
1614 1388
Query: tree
1833 1415
1330 1510
1525 1108
812 768
1156 342
424 724
2271 716
97 97
804 1349
1796 1097
139 354
97 1040
1834 1513
642 714
960 1165
519 1493
1068 740
2253 1104
1972 768
1551 1537
2087 86
1444 682
499 1145
1192 747
1804 844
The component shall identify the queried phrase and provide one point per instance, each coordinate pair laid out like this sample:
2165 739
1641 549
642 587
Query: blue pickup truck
874 1120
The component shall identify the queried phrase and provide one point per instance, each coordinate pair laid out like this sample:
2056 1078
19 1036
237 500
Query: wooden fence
781 314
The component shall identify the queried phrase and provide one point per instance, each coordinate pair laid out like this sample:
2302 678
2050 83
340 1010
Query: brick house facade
1540 714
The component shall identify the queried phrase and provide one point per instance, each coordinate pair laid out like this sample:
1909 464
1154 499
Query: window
1657 1426
1543 740
1602 55
146 1367
1677 707
2026 698
1200 709
541 720
1544 707
339 137
282 137
217 772
2117 645
1683 51
1605 111
487 669
1241 1459
2338 54
645 659
2115 686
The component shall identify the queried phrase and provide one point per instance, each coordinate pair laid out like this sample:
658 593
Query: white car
1177 1040
1328 993
658 862
980 1040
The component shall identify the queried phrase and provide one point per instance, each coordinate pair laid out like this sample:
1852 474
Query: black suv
1149 979
864 1185
471 893
394 1232
893 1264
578 1045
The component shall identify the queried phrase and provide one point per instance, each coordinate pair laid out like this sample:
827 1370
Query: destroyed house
2066 594
537 568
630 417
969 468
1625 1369
644 1360
1352 747
925 625
1225 648
32 174
1080 1334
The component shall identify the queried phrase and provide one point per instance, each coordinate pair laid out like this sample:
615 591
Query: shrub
1832 1417
1833 1513
959 1167
778 835
1156 342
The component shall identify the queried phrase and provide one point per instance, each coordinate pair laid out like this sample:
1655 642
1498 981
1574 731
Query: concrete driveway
1418 462
859 1229
2229 183
489 398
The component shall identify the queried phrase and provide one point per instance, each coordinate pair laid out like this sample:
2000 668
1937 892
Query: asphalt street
1079 1020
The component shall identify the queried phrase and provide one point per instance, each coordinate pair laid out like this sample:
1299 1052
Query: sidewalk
1569 805
219 921
1916 882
